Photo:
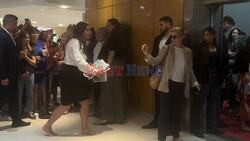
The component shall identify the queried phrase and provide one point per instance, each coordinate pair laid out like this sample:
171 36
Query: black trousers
47 94
206 106
9 94
157 106
231 91
197 111
97 87
55 83
170 111
212 91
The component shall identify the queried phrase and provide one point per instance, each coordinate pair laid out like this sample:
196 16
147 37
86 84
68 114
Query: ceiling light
142 7
42 10
64 6
34 22
61 25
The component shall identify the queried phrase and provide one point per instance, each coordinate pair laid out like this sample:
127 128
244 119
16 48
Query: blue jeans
211 94
28 84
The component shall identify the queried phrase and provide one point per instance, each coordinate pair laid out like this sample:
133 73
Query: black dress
75 87
113 98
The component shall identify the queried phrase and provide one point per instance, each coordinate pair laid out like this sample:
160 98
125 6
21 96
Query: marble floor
69 125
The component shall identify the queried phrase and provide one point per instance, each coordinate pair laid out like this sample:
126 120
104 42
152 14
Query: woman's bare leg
57 113
84 112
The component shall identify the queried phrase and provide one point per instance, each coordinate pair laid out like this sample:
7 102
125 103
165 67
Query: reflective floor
68 128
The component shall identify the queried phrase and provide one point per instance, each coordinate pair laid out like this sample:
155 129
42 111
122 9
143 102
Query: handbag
155 79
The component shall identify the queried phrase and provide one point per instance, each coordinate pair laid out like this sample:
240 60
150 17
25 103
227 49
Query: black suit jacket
157 41
104 51
9 58
201 65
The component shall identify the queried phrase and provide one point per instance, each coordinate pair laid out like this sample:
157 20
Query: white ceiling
45 13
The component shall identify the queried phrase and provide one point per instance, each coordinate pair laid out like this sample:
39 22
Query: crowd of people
33 66
219 76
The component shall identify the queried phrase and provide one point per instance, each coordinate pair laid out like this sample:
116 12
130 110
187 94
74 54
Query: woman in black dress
75 84
209 72
113 97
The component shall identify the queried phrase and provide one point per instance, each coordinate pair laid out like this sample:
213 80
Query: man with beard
165 26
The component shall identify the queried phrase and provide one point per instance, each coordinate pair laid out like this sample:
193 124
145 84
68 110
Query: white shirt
11 36
97 50
163 41
179 65
74 57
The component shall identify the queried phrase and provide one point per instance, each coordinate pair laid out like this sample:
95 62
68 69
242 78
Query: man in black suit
165 26
9 58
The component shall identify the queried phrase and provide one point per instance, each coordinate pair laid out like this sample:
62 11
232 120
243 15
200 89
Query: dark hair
114 22
211 31
230 36
229 19
30 29
41 36
166 19
79 29
92 29
27 20
117 27
22 35
9 19
54 45
117 35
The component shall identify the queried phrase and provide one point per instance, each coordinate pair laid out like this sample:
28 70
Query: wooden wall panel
91 17
120 1
91 4
103 15
142 32
121 12
104 3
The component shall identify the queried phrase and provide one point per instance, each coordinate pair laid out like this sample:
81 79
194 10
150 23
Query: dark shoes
44 116
198 134
151 125
20 123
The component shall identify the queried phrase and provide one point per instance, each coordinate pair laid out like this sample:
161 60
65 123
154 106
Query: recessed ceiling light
42 10
34 22
64 6
142 7
61 25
